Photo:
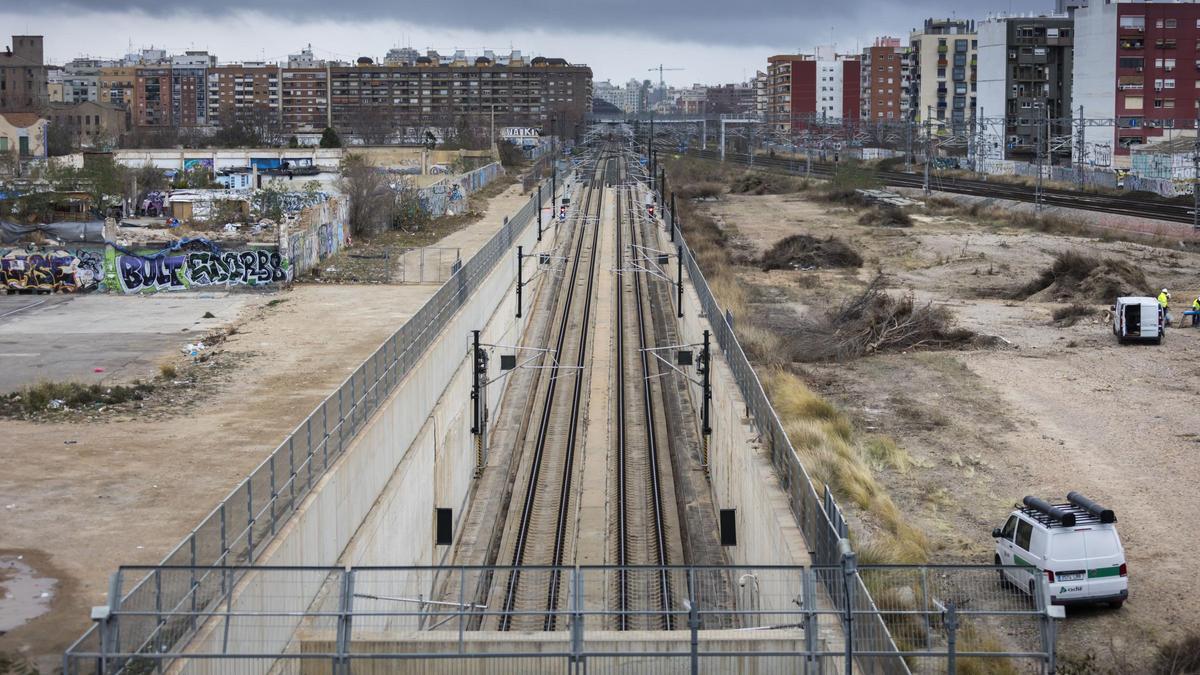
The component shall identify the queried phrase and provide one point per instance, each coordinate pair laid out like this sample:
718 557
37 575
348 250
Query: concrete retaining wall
742 475
376 504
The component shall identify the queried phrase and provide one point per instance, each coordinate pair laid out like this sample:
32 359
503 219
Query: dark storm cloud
723 22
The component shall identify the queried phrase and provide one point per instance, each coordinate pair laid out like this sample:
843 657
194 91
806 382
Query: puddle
24 594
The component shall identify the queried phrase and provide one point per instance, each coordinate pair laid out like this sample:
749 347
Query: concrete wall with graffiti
51 269
191 264
449 195
318 232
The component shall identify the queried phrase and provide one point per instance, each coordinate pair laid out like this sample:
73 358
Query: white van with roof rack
1074 545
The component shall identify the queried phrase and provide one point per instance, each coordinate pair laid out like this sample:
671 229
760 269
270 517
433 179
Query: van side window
1009 528
1024 530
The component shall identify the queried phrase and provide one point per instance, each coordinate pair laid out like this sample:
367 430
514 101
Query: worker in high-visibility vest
1164 301
1196 309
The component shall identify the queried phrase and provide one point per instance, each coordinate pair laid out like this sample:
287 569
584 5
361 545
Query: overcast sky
713 40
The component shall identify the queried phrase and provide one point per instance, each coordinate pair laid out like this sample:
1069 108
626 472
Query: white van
1139 319
1075 545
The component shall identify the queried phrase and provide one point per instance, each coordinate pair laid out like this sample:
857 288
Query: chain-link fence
236 531
719 619
428 265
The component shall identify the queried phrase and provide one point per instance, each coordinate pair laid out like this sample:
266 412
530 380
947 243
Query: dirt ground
79 499
1060 409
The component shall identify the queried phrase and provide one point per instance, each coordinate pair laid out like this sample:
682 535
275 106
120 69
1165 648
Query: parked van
1138 319
1074 545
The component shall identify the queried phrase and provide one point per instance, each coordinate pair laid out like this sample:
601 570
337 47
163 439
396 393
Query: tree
408 213
372 124
510 154
371 199
59 140
329 138
293 142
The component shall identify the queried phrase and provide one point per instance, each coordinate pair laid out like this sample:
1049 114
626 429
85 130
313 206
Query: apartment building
738 99
761 89
248 93
23 74
803 88
548 93
1024 77
884 81
942 73
1137 63
117 84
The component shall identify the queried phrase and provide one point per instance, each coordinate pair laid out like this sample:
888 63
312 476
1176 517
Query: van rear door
1067 557
1105 557
1150 320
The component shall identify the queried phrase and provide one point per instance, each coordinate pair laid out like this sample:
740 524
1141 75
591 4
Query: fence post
576 659
693 624
951 619
849 570
341 659
194 584
809 606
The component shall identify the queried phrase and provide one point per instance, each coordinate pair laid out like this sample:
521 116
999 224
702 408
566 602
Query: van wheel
1158 340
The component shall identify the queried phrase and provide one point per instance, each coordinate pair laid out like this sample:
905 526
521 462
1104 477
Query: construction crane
660 68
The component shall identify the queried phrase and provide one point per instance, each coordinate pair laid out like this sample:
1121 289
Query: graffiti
176 269
48 271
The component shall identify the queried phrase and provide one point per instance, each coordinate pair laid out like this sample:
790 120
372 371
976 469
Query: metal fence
236 531
779 619
428 265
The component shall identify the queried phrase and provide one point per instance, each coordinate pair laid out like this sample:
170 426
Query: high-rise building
1136 63
1025 78
761 99
803 88
117 85
736 99
885 81
23 75
942 70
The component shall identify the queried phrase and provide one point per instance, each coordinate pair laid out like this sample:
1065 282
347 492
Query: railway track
532 596
1126 206
641 537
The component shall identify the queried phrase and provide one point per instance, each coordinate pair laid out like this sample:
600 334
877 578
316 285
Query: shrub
885 216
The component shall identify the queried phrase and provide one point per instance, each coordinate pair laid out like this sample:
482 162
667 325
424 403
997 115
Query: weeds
1068 316
58 395
827 445
885 216
757 183
168 371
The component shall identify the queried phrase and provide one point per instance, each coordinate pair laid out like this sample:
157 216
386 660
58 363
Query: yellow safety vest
1162 300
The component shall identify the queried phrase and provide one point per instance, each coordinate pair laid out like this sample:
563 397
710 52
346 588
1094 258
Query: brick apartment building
23 75
730 99
885 81
435 91
1139 64
802 88
117 84
1025 77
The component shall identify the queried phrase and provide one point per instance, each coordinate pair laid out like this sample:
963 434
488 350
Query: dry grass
885 216
836 456
1071 314
43 396
1076 276
168 371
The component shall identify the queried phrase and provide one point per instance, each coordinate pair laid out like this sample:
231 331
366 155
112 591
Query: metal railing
780 619
428 265
818 515
236 531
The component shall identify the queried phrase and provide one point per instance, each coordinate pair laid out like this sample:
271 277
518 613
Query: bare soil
1053 410
80 498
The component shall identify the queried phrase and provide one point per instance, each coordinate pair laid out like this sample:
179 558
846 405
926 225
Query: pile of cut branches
876 321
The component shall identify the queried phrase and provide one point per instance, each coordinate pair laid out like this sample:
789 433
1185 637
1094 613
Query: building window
1133 102
1134 22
